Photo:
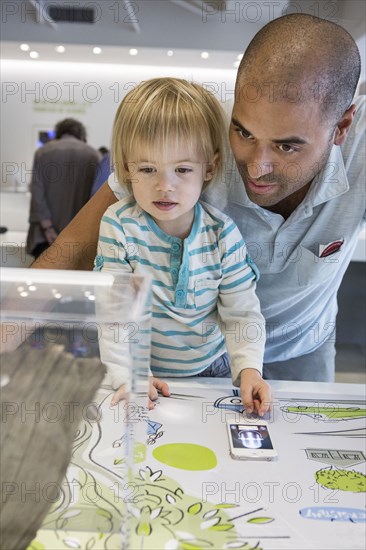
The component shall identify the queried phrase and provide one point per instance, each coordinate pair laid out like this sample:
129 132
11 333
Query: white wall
38 94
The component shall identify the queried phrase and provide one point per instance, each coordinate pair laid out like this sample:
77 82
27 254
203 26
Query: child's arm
111 307
242 323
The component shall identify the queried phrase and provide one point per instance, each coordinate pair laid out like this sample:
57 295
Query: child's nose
164 183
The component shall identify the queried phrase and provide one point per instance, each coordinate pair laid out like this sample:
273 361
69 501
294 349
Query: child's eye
147 169
183 170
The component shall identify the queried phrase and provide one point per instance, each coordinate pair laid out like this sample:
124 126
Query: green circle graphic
186 456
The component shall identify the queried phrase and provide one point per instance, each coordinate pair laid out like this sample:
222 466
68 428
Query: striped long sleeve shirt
203 290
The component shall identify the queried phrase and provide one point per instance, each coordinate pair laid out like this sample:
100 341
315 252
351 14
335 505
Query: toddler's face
168 183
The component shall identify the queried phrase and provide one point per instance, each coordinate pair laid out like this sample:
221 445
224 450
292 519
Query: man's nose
260 164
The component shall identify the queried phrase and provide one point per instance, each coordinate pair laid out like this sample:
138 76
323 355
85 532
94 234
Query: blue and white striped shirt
204 299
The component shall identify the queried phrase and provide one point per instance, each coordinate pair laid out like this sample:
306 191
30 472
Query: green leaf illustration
195 508
222 527
260 520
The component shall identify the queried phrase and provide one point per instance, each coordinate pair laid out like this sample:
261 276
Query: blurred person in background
62 177
103 172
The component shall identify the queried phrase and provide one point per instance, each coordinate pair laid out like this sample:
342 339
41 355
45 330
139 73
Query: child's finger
161 386
119 395
247 398
153 392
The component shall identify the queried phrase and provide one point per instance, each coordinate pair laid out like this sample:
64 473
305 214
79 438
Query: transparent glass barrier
71 461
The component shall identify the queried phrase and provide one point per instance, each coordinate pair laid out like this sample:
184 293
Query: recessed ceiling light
33 54
236 64
60 49
25 47
240 56
97 50
170 53
133 51
205 55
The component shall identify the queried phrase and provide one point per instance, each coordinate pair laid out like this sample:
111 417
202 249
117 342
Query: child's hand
119 394
156 384
256 393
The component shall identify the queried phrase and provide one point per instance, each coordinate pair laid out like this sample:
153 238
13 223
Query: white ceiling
223 28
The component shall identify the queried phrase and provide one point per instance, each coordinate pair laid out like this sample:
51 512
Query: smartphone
250 440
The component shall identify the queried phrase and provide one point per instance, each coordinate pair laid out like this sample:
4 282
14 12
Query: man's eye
243 133
286 148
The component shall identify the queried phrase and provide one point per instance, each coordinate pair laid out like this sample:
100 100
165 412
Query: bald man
298 194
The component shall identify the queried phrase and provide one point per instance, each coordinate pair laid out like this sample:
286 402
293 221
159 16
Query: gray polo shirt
297 287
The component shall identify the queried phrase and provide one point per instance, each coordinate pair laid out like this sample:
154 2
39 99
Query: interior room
79 470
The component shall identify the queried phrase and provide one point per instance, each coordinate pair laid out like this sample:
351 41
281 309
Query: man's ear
211 167
343 125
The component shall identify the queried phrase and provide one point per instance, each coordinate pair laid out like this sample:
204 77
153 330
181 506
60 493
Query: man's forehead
277 90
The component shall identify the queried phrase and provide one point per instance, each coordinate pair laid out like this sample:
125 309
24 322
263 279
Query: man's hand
155 385
256 393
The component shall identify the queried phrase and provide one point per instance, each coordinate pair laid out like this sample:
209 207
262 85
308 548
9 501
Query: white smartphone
250 440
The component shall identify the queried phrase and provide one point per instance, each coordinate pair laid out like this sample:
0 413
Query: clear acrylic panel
71 461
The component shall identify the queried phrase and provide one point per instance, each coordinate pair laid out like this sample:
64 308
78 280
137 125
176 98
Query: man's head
71 127
293 98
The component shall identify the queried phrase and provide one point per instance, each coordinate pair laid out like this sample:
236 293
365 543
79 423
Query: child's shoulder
216 215
126 207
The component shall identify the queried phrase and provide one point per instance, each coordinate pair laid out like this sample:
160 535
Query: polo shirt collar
331 182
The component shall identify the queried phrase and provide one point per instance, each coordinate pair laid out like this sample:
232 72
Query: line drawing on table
336 457
90 512
356 433
153 432
182 519
331 413
91 508
230 402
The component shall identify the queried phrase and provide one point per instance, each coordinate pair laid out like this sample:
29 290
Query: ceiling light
97 50
60 49
25 47
34 54
170 53
240 56
133 51
205 55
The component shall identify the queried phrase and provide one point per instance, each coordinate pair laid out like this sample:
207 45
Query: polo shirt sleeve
242 323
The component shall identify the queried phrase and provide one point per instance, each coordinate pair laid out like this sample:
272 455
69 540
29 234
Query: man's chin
268 199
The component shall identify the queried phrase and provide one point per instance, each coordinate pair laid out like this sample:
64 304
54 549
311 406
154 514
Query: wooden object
47 393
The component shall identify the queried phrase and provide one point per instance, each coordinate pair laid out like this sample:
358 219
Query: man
300 197
62 177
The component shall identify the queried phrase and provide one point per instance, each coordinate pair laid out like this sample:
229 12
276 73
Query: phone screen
252 436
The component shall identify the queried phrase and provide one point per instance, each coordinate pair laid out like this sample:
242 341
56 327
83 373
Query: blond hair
164 111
